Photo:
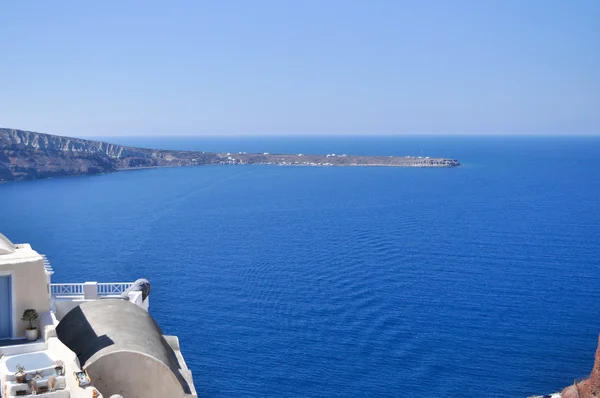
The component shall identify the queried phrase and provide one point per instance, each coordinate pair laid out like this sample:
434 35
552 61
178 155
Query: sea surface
478 281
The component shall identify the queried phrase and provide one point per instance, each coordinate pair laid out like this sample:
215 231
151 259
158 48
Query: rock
589 388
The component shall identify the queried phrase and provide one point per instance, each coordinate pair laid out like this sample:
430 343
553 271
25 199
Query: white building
102 329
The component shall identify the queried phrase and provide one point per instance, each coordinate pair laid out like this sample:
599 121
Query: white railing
66 289
105 289
91 289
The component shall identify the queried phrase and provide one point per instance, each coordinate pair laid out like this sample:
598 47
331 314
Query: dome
123 350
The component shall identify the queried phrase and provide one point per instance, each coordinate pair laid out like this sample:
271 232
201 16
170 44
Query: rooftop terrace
101 331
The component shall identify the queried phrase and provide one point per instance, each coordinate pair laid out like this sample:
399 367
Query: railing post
90 290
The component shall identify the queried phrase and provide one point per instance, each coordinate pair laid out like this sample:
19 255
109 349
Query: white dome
6 246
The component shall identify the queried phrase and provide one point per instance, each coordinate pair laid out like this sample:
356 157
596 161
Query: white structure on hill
100 332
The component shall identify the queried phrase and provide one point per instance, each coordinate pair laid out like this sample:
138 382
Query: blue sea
478 281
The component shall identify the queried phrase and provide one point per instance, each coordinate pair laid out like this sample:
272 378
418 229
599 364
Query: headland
26 155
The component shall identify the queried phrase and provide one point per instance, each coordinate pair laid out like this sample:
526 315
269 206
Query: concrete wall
66 304
134 375
58 350
29 290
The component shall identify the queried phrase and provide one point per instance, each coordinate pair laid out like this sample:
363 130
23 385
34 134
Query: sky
295 67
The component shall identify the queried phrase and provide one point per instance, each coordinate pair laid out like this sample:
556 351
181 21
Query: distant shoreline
26 155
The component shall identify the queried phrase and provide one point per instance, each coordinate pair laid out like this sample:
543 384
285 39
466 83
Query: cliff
29 155
589 388
586 388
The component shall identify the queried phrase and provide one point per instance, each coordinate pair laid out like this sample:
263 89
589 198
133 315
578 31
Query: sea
476 281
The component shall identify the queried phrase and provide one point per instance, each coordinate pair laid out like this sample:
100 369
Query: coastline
26 155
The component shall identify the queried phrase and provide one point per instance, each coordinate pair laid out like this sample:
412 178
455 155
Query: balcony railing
90 289
109 289
66 289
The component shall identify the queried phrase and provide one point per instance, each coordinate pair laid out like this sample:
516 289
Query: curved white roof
6 246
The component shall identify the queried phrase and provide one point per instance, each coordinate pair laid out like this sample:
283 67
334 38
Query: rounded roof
6 246
96 329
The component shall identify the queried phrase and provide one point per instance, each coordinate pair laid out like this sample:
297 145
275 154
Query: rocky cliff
48 142
589 388
585 388
30 155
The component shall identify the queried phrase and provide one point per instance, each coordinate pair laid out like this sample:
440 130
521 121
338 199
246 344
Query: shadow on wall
80 337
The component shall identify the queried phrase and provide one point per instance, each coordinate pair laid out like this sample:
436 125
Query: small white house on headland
88 339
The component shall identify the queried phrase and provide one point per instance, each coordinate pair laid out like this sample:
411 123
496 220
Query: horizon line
313 135
347 135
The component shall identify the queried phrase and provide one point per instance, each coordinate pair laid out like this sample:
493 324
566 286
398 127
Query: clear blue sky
300 67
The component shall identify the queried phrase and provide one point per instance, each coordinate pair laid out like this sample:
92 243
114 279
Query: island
26 155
